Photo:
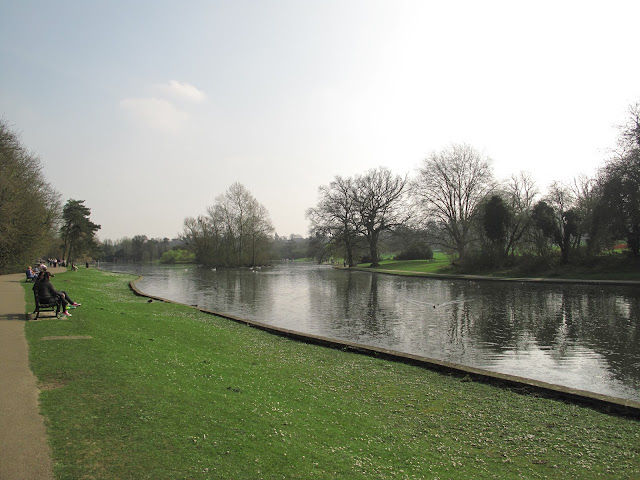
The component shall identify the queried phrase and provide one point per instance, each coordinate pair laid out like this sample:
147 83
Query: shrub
178 256
418 251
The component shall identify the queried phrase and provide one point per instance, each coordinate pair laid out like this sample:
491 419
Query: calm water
579 336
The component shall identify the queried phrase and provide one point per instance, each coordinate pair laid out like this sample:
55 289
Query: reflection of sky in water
570 371
584 337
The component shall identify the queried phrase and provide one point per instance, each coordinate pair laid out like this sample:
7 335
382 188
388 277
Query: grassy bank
163 391
607 269
440 264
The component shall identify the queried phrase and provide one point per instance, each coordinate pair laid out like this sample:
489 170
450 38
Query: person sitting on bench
31 275
36 280
48 294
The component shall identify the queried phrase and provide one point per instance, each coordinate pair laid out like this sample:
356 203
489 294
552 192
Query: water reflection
579 336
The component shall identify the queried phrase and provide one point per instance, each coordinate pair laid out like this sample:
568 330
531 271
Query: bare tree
379 198
202 237
449 188
629 139
587 201
335 215
259 231
234 208
620 185
236 230
557 217
521 192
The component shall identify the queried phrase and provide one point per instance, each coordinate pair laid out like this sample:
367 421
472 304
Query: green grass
441 263
605 269
163 391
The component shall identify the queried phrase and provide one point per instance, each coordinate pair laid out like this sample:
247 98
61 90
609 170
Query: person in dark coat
48 294
38 278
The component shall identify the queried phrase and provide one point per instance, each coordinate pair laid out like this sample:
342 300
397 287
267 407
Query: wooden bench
55 306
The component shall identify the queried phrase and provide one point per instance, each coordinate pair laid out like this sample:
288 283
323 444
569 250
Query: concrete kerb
451 276
602 403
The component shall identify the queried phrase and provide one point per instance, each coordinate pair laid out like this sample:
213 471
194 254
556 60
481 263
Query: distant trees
236 231
178 255
141 249
497 221
519 193
455 203
246 225
449 188
138 247
379 200
458 205
620 185
352 209
293 247
77 231
621 200
335 217
29 205
318 247
203 236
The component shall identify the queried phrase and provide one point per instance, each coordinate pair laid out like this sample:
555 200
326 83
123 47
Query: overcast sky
148 110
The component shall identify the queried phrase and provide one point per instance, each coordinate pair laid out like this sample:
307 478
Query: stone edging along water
452 276
603 403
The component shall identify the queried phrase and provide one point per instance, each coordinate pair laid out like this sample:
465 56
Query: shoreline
154 389
601 402
452 276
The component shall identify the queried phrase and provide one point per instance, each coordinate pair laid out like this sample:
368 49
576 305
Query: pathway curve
24 451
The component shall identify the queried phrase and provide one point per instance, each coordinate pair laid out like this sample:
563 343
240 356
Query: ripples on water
580 336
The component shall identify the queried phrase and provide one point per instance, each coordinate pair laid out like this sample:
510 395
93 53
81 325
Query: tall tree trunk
373 250
349 254
348 246
564 248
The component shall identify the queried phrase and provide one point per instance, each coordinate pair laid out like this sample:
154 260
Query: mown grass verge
613 269
164 391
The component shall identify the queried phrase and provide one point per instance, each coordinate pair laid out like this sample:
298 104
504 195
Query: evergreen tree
496 222
78 231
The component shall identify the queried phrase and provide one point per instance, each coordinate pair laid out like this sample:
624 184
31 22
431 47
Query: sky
149 110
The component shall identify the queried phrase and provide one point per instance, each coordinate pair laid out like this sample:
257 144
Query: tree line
455 203
141 249
33 222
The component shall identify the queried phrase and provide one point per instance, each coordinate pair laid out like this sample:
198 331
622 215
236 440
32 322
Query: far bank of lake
578 336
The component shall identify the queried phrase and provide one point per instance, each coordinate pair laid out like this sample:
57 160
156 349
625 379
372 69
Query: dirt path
24 451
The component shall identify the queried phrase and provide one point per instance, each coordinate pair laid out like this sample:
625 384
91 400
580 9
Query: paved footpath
24 451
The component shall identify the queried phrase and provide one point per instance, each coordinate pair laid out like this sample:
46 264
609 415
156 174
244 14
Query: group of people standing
46 292
56 262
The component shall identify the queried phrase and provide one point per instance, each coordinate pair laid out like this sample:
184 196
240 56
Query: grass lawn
163 391
441 264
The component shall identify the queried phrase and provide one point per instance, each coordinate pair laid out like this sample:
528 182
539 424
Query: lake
579 336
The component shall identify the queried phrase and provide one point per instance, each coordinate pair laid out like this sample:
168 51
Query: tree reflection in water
581 336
